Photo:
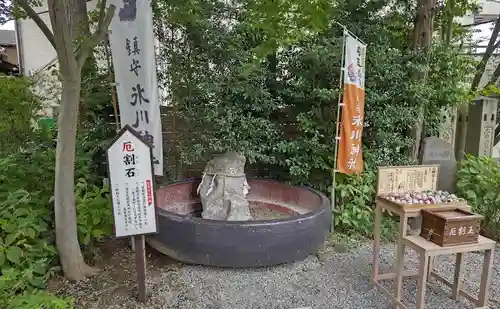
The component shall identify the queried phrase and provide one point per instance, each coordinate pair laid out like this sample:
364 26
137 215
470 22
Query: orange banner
350 155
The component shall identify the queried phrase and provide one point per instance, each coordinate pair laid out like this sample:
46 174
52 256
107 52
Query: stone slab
438 151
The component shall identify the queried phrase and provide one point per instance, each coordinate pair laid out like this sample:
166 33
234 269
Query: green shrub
27 251
27 167
355 213
24 234
479 183
17 111
280 110
354 195
40 300
94 214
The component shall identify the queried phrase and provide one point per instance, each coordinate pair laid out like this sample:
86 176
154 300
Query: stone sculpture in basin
224 187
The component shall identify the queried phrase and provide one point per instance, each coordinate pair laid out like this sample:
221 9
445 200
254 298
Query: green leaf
37 282
14 254
22 212
83 228
96 220
10 228
31 233
471 194
10 239
2 259
97 233
86 239
39 268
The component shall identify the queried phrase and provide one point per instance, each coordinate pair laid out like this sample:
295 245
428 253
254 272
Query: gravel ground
341 281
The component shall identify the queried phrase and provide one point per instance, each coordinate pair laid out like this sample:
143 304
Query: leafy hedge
18 104
27 252
28 257
230 96
479 183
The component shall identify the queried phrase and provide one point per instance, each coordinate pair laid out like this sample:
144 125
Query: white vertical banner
133 52
350 148
132 185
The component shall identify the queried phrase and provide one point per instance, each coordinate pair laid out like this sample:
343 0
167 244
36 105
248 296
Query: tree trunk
79 26
65 15
68 247
70 254
422 39
450 7
78 19
424 24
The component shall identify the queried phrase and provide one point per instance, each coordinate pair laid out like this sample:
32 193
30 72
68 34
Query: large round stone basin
289 224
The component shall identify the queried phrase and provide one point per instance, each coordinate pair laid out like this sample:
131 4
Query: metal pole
337 137
111 81
346 31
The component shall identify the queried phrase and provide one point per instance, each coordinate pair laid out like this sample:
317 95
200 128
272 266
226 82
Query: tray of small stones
425 199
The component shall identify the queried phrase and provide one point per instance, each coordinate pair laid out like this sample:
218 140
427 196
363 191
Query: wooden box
450 226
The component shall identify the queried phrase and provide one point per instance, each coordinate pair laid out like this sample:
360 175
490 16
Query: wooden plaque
411 178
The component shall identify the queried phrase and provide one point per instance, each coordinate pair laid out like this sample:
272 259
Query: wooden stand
427 250
401 179
404 214
418 179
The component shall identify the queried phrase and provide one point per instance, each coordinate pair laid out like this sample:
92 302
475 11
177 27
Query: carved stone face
231 163
235 163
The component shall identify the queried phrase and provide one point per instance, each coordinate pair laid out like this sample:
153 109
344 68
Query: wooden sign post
131 179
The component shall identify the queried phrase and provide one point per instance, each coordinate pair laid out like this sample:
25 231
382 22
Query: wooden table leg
431 267
400 255
422 280
455 289
485 279
376 242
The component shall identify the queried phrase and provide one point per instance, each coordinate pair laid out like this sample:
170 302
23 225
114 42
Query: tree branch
105 18
496 45
479 23
494 77
450 6
497 135
481 66
38 21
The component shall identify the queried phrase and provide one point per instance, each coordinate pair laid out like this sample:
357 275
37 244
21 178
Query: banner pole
349 32
111 82
337 137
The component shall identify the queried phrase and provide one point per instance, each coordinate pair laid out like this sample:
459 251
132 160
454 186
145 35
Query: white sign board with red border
132 184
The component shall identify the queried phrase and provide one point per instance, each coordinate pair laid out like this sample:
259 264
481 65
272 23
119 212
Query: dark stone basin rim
237 244
325 203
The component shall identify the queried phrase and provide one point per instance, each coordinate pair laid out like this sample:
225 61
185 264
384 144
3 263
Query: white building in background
36 53
37 56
